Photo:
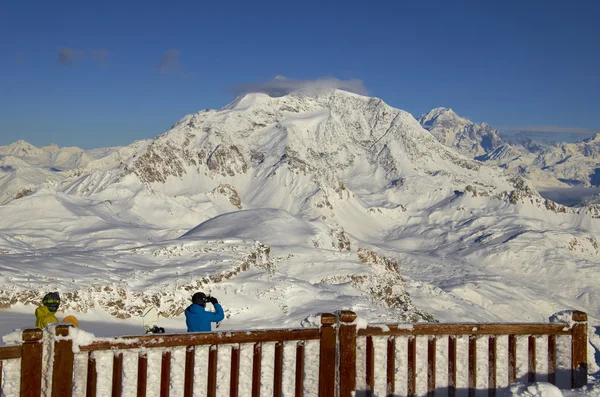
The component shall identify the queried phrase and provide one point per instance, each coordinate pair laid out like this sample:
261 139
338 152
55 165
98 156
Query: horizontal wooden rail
9 352
214 338
466 329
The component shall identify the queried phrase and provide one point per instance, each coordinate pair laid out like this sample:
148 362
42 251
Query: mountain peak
439 115
20 148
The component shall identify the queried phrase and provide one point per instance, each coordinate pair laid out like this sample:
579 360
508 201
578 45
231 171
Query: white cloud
280 86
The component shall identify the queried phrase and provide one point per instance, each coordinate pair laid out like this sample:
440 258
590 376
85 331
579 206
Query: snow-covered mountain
54 157
466 137
283 207
546 165
25 168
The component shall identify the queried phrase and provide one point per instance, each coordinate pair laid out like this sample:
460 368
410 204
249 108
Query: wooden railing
338 368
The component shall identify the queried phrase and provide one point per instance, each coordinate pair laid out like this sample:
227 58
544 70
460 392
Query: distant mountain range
25 168
545 164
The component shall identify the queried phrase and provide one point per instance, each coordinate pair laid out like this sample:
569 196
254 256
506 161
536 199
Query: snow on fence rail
337 359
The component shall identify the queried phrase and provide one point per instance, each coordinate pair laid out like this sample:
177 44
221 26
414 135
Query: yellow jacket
43 317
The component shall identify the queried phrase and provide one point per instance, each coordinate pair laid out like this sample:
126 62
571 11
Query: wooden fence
338 367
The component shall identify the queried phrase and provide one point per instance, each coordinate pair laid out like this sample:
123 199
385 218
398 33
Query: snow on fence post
299 390
142 380
327 355
165 374
62 366
472 367
370 364
451 366
92 376
117 377
278 370
391 366
31 363
347 367
256 369
412 366
579 342
188 384
492 376
552 359
234 377
213 357
431 365
531 366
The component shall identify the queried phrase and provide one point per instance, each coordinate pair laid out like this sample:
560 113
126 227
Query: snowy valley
284 207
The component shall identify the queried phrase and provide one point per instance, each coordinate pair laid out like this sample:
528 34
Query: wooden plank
391 367
531 362
465 329
256 367
204 338
31 363
472 381
370 366
431 353
327 355
300 370
347 365
234 377
278 370
62 367
117 378
9 352
552 359
412 366
165 374
188 383
451 366
1 393
92 376
512 359
213 355
492 366
142 380
579 341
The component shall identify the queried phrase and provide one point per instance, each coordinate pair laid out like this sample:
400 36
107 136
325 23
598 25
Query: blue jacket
198 319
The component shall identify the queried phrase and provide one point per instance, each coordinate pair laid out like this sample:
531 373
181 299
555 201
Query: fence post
31 363
62 366
328 353
579 342
347 367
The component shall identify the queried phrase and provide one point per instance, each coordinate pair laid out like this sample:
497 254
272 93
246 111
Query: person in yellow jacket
44 314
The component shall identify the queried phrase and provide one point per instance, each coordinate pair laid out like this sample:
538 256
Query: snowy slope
25 168
18 179
290 206
53 156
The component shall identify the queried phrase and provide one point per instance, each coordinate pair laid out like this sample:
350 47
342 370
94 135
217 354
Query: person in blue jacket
197 318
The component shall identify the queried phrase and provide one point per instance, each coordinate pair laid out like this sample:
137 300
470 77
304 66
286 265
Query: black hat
51 300
199 298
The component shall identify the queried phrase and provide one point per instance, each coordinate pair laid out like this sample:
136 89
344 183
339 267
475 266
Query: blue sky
110 73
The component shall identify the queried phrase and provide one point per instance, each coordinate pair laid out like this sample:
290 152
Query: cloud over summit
280 86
